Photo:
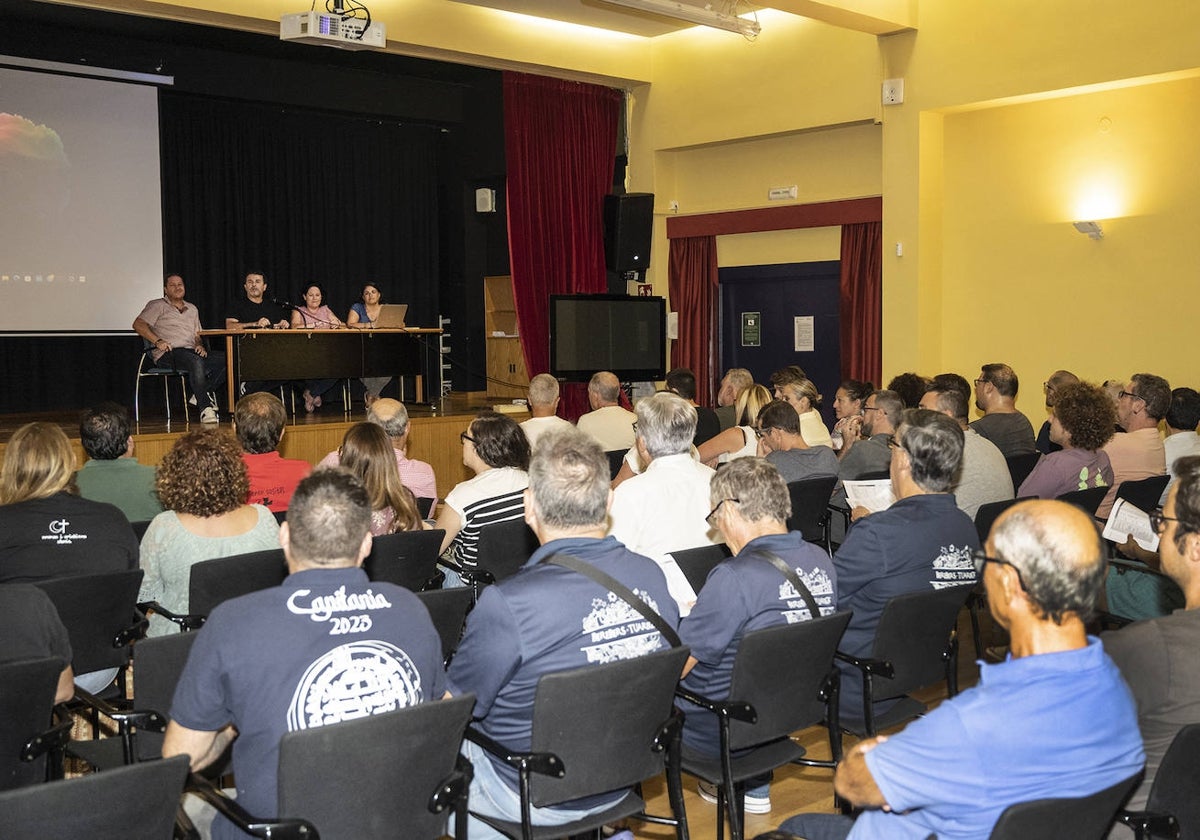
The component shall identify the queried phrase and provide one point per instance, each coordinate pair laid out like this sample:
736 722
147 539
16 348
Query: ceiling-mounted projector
332 30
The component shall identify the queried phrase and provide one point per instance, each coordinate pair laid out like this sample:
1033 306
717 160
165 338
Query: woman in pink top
315 315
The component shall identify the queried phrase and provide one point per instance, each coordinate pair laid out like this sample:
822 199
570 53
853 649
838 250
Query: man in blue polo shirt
1055 720
326 646
548 618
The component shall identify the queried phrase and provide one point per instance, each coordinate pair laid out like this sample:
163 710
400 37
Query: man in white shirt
608 423
543 405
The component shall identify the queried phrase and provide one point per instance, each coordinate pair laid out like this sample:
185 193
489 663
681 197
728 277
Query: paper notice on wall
804 333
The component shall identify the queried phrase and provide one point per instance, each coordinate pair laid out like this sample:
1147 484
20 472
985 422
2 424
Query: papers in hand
873 495
1128 521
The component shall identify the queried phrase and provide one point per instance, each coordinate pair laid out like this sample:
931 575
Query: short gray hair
934 444
394 423
569 480
605 386
758 487
739 378
327 518
666 424
892 405
543 389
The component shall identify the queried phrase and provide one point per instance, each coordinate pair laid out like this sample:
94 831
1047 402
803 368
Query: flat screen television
620 333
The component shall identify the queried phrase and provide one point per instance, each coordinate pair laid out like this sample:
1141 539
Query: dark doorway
780 294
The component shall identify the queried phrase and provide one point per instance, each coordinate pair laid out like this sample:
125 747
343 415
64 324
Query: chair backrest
1020 466
340 779
602 721
215 581
912 634
425 506
1081 818
696 563
505 546
616 457
810 499
26 698
280 516
137 802
1089 499
157 665
1143 493
95 609
448 611
1178 779
780 671
987 514
139 528
407 558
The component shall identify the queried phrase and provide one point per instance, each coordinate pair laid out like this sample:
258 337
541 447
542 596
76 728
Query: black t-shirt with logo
63 535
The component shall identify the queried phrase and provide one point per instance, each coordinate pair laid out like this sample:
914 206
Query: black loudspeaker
628 226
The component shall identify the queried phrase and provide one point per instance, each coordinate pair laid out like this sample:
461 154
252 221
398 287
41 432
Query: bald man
392 417
607 422
1055 720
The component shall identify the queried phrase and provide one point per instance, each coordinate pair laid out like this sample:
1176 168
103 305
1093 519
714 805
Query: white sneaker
754 804
209 415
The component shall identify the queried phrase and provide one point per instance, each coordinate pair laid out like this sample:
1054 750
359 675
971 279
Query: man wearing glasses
1057 380
1138 451
1158 657
1054 720
1001 423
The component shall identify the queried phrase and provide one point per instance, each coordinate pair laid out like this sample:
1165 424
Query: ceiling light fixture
693 14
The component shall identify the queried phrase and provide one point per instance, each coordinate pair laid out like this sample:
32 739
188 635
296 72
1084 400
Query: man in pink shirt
392 417
1138 451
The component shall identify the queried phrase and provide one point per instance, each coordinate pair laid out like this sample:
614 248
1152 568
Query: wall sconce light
1092 229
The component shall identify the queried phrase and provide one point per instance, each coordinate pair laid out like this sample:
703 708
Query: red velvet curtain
692 284
560 141
861 310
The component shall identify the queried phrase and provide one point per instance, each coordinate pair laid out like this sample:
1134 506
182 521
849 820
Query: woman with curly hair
1082 422
367 452
203 486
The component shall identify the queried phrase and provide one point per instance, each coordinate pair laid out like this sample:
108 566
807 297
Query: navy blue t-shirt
742 594
547 619
326 646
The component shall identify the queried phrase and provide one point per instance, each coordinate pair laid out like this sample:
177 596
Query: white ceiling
597 13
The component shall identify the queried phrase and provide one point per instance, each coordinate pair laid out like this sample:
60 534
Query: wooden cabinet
507 377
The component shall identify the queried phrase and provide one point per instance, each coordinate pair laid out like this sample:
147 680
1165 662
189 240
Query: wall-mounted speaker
628 229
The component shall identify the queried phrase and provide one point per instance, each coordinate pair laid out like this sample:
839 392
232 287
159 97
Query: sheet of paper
804 334
873 495
1127 520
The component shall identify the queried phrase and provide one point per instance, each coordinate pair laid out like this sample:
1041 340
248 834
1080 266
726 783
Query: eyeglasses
759 431
979 382
713 512
981 560
1129 394
1158 520
867 408
463 437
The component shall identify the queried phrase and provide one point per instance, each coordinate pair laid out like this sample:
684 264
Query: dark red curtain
861 310
560 140
692 284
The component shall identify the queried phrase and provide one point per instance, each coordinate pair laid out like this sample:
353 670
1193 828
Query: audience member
607 422
663 508
274 661
544 619
46 531
921 541
735 381
1001 423
202 482
682 382
1138 452
367 454
497 451
1054 720
751 507
847 404
1081 423
31 629
172 326
258 421
543 405
1114 387
741 440
1050 387
1158 658
782 444
315 315
803 396
984 475
364 314
112 474
866 446
1181 421
910 387
391 416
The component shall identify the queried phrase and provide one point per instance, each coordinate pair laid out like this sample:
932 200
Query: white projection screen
80 203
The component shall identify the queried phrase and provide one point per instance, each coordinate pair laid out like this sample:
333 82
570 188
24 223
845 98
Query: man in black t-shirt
254 311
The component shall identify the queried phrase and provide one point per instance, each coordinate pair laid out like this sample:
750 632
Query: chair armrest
274 829
480 577
453 788
147 719
54 739
545 763
185 622
734 709
671 729
1151 823
882 667
136 630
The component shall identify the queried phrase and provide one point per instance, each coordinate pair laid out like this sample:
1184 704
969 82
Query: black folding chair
696 563
915 646
1020 466
503 549
1173 809
1144 493
26 736
598 729
213 582
616 457
783 680
448 610
425 506
337 783
1080 818
129 803
985 518
407 558
810 505
1088 499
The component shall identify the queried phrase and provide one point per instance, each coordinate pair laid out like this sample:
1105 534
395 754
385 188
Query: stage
433 433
